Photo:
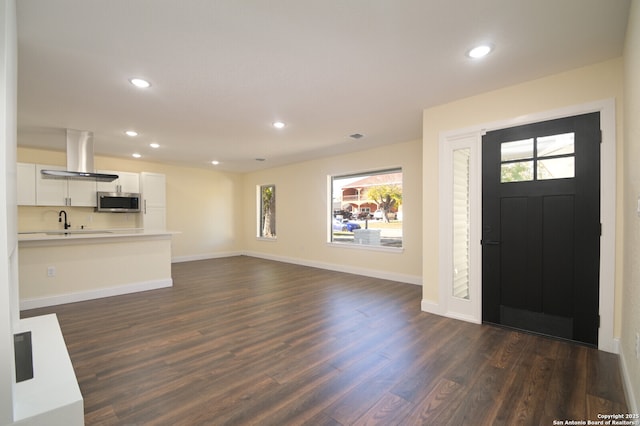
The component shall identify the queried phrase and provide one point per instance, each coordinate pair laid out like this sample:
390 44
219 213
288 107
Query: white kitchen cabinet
126 182
50 192
61 192
82 193
155 218
154 205
26 184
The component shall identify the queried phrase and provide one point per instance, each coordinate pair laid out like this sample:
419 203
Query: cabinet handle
145 206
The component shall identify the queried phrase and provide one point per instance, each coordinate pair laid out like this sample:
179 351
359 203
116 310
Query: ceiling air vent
356 136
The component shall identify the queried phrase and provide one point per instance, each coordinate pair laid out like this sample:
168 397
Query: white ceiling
223 70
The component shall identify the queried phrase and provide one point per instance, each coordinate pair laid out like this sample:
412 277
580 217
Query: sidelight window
461 220
540 158
267 211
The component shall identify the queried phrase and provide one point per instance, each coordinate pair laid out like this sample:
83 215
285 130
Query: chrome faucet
66 224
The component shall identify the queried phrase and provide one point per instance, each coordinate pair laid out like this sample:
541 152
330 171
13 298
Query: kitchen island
65 266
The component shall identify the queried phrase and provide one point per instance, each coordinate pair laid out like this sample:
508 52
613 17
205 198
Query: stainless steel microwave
123 202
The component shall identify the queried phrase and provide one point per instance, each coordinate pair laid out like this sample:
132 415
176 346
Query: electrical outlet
637 345
51 271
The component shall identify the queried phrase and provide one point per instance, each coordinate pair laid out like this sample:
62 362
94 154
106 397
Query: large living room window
267 211
367 208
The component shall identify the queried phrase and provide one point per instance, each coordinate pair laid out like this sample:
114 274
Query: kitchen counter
58 267
70 234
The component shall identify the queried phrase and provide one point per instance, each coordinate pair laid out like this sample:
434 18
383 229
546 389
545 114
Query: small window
518 171
461 219
267 213
541 158
367 208
517 150
556 168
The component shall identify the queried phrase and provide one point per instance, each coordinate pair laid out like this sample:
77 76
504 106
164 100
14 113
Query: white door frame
471 310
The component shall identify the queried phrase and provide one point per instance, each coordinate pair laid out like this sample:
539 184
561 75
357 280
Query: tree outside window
267 211
387 198
367 208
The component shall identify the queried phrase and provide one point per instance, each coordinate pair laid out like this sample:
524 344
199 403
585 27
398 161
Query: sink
78 231
27 235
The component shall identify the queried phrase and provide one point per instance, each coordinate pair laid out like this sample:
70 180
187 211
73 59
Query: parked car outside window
345 225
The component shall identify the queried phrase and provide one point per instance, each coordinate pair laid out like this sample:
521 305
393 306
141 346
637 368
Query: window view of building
267 214
367 208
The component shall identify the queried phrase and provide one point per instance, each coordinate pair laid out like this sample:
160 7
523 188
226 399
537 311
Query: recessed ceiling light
278 124
139 82
154 145
131 133
136 155
215 162
479 51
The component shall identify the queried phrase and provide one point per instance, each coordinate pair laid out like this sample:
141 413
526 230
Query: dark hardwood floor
243 341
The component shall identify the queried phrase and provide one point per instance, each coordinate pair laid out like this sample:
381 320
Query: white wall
9 310
631 276
302 207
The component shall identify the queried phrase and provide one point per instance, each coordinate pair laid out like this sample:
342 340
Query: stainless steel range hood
79 160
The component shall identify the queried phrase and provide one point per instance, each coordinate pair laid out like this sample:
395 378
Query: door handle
489 243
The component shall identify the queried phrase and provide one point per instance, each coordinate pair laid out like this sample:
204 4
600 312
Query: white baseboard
373 273
180 259
632 406
94 294
431 307
615 345
462 317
